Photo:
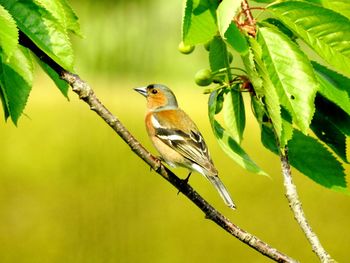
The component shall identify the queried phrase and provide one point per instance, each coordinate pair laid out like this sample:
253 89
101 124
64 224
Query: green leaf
55 9
296 88
199 21
327 132
4 103
218 56
226 11
43 30
334 86
280 26
249 64
320 165
311 158
62 85
63 13
324 30
227 143
340 6
236 39
72 20
234 114
219 103
258 109
269 93
287 127
16 77
8 33
335 115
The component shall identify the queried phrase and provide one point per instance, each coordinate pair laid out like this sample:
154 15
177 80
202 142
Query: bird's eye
154 91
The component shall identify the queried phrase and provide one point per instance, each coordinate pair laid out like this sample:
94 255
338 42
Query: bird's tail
215 180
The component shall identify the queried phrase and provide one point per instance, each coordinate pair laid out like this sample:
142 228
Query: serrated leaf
287 127
226 11
296 88
62 85
334 114
63 13
199 21
269 93
249 64
43 30
334 86
227 143
258 109
311 158
55 9
217 54
340 6
324 30
234 114
236 39
320 165
16 77
72 20
278 24
8 33
327 132
4 103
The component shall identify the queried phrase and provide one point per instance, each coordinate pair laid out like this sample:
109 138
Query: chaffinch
177 138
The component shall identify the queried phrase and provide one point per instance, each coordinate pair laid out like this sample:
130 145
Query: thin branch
249 24
296 206
86 93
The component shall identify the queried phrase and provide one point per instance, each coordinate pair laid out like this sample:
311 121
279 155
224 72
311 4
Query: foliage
47 24
292 96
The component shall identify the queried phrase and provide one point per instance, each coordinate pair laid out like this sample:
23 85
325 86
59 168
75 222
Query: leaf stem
223 70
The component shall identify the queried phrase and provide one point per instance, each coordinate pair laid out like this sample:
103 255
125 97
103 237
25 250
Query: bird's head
158 96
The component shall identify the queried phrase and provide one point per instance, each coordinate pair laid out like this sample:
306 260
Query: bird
177 138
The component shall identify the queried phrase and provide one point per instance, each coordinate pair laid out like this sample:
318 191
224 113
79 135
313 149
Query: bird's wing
183 138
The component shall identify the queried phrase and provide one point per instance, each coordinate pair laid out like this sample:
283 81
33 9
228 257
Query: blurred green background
72 191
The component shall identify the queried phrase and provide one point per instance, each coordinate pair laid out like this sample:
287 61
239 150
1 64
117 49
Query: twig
86 93
296 206
249 24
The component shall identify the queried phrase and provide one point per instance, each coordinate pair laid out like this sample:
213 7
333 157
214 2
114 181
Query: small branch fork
86 93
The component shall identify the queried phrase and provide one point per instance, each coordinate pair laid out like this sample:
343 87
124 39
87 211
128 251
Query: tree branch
296 206
86 93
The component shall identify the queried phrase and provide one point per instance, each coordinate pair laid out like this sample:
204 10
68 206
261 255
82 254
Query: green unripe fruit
185 49
203 77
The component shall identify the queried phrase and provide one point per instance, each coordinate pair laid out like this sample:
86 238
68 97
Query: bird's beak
142 91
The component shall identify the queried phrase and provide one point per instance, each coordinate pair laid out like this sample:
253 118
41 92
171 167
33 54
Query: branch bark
296 206
86 93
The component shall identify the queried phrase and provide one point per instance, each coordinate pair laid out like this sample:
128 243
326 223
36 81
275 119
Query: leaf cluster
299 103
47 24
